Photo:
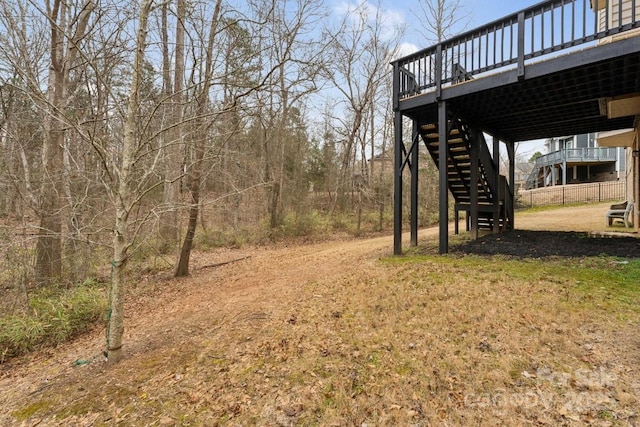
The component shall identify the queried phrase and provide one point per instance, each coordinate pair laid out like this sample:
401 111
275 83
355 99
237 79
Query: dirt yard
322 334
571 232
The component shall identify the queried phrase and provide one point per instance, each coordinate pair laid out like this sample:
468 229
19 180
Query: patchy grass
545 208
29 410
415 340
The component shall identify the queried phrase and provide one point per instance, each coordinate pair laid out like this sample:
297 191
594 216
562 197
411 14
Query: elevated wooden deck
554 97
547 71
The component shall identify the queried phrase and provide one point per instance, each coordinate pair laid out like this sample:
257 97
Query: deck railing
585 154
572 155
547 27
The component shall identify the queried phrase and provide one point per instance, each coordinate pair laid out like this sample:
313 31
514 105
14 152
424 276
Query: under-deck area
558 68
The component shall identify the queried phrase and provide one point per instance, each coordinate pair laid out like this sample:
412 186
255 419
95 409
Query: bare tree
287 75
69 22
296 61
198 139
51 91
362 50
108 121
125 195
173 145
441 18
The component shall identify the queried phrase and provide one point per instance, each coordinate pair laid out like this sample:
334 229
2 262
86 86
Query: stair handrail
487 163
507 201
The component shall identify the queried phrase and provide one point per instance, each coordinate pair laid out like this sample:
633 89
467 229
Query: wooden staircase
492 193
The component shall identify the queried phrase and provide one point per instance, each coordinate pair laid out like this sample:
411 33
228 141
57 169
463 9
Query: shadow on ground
537 244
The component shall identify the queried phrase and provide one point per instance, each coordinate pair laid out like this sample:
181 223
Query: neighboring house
382 160
577 159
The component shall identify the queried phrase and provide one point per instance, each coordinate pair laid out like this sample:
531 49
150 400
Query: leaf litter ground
338 333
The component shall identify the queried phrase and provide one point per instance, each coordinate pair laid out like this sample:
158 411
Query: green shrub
56 315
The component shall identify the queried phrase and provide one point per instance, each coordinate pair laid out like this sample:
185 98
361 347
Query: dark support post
521 46
512 180
443 181
635 165
438 70
473 186
496 185
397 167
414 184
397 186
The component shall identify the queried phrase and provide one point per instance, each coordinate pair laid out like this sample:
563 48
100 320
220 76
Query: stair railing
487 177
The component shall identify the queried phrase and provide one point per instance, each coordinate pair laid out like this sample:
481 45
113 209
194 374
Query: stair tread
459 166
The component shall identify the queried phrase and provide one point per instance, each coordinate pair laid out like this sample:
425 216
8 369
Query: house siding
610 17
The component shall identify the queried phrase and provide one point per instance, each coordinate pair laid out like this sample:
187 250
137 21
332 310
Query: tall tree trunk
48 266
182 269
49 244
195 175
282 136
169 218
48 247
73 258
346 171
381 187
274 217
125 198
6 153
